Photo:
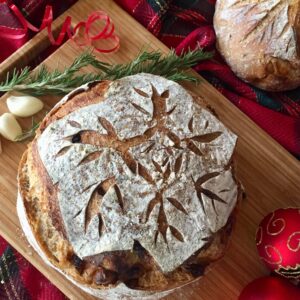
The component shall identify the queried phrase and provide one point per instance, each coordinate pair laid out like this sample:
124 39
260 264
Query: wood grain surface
270 175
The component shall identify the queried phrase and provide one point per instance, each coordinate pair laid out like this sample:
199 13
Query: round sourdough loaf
128 188
259 40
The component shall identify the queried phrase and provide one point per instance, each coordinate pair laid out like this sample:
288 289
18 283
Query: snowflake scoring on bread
148 164
266 22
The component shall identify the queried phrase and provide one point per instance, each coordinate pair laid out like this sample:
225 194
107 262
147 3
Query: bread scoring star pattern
134 166
268 23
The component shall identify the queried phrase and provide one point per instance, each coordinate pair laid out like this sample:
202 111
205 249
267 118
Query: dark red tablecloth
180 24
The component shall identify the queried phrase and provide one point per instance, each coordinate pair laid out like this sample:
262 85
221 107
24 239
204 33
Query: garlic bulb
9 127
22 105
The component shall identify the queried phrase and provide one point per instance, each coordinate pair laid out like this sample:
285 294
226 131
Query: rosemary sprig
170 66
45 82
29 132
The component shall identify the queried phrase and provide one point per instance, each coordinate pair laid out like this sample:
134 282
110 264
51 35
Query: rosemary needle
45 82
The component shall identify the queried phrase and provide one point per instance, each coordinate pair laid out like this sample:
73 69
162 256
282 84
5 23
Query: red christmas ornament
270 288
278 242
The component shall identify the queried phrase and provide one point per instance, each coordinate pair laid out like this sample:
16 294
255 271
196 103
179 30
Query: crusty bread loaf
128 187
260 41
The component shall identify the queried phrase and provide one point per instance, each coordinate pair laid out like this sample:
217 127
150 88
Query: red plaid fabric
19 280
180 24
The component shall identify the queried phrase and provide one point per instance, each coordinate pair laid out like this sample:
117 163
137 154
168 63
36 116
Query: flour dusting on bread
129 185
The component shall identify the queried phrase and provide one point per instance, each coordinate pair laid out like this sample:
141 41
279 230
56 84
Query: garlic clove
9 127
22 105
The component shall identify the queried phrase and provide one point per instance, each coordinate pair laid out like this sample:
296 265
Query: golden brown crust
136 268
260 40
80 98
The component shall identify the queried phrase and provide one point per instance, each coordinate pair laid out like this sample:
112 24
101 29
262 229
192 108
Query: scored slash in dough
172 163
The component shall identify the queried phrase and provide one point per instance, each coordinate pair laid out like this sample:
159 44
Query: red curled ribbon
107 33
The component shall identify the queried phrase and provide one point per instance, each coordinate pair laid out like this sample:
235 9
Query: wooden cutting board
270 175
